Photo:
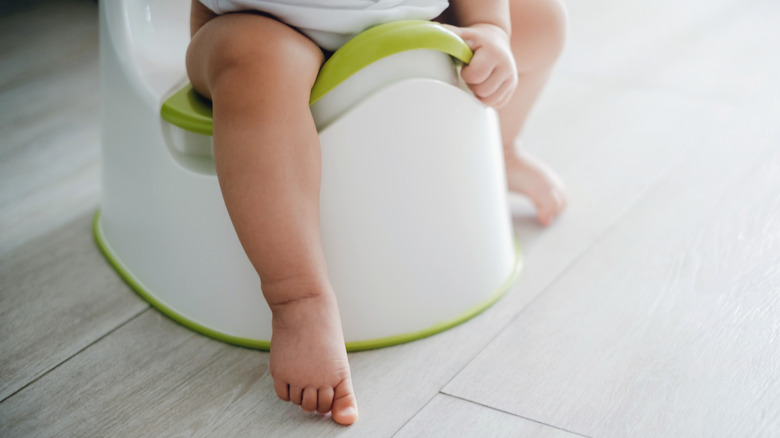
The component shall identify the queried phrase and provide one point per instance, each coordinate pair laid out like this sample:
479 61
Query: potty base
260 344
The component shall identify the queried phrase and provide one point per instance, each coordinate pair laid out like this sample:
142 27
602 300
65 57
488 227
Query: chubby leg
258 73
538 35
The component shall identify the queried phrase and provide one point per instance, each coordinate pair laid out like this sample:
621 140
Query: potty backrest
150 38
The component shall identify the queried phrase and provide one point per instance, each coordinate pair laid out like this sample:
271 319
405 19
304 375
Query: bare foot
531 178
308 359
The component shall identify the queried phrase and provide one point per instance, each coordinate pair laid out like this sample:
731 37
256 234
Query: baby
257 61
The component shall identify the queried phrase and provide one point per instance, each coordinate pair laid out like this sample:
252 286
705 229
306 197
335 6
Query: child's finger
479 69
489 86
476 74
504 94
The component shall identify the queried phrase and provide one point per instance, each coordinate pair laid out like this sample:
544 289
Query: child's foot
531 178
308 359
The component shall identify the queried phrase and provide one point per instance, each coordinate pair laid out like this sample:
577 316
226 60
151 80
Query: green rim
131 281
384 40
189 110
442 326
192 112
371 344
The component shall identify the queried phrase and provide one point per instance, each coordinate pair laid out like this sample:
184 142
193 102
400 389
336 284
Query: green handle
384 40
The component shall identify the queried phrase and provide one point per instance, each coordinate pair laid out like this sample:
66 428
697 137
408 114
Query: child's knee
247 49
539 30
557 18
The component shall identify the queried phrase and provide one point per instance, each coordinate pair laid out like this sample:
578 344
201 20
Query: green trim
384 40
189 110
442 326
371 344
192 112
131 281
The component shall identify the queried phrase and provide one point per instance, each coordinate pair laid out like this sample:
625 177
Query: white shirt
330 23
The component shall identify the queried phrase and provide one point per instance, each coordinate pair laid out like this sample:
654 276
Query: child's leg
258 73
538 34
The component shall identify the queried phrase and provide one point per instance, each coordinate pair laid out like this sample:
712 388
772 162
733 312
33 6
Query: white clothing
330 23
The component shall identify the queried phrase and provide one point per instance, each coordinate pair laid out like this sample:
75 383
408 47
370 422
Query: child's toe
309 399
324 400
296 394
344 409
282 389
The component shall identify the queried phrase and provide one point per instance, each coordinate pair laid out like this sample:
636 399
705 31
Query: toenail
348 411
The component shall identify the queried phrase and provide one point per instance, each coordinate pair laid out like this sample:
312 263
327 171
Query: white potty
414 218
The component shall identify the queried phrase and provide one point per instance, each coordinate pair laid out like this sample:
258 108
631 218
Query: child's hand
491 75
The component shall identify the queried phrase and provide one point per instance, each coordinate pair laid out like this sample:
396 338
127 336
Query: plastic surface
265 344
187 110
384 40
414 220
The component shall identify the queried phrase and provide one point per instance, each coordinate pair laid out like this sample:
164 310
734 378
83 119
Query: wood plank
394 383
734 61
53 204
599 124
152 377
57 296
721 49
145 380
55 111
668 325
448 417
49 117
38 35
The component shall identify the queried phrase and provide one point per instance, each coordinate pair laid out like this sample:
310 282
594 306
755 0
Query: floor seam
515 415
81 350
656 182
599 237
415 414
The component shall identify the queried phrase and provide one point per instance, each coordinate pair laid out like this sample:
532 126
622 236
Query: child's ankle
288 292
312 306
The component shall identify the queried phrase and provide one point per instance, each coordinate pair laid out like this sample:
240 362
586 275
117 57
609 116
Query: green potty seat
192 112
413 142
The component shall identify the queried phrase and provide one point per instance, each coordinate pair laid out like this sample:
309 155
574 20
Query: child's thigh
538 22
251 49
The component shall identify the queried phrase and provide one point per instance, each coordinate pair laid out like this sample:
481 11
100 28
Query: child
257 61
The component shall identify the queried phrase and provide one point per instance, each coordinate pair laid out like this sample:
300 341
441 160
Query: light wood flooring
651 308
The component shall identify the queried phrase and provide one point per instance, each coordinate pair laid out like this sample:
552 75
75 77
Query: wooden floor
652 308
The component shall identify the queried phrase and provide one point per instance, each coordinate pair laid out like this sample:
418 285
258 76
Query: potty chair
414 218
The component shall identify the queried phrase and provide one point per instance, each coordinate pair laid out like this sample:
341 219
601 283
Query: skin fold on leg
258 73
